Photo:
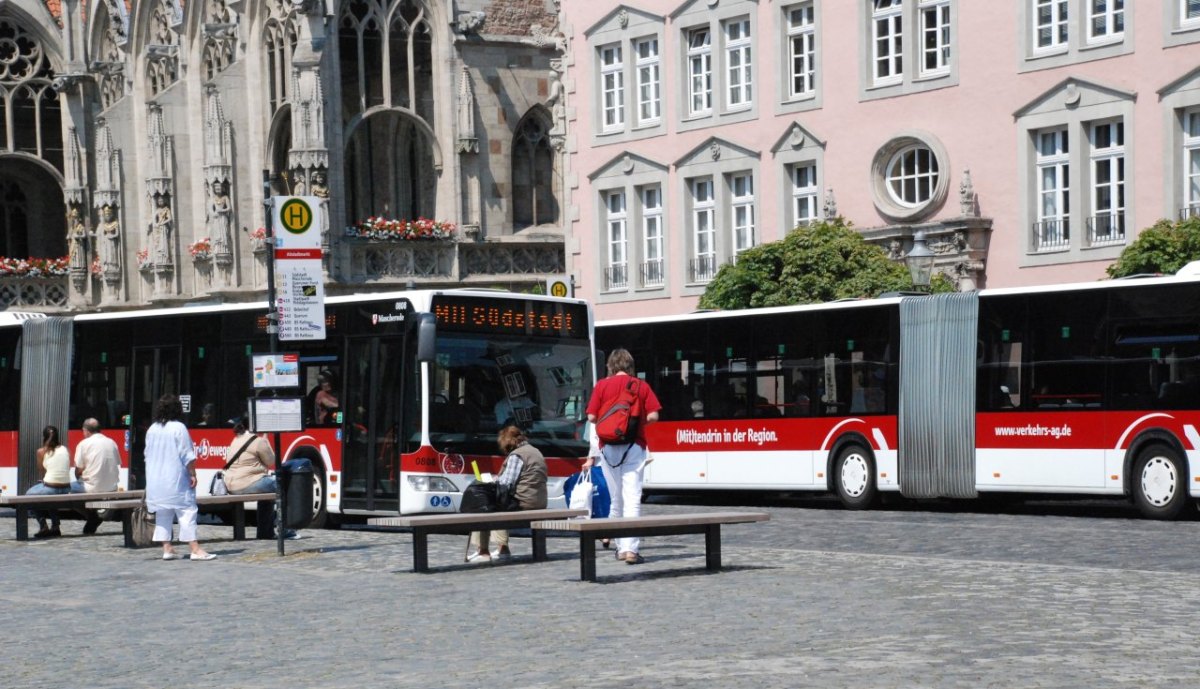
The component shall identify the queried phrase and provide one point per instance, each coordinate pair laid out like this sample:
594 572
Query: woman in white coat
171 479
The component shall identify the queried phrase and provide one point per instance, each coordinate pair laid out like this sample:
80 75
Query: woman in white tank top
54 467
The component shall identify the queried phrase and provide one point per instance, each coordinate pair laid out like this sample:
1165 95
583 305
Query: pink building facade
1029 140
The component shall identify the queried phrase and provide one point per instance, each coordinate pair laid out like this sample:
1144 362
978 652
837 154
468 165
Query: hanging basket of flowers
384 230
33 268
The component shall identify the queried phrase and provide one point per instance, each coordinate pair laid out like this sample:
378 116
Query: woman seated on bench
250 460
54 465
523 476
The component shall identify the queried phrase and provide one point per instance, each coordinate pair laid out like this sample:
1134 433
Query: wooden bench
25 503
590 530
457 523
207 504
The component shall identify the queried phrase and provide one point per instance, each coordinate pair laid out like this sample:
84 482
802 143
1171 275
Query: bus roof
8 318
1183 277
418 297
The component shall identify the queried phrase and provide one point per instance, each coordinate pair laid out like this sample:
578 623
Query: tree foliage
821 262
1164 247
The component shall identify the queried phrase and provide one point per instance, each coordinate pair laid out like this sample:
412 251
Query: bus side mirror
426 337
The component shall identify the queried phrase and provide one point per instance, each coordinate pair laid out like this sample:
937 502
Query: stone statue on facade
108 246
77 239
320 189
220 221
161 228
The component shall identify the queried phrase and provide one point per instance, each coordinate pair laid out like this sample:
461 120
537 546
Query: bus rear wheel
320 514
1159 482
854 477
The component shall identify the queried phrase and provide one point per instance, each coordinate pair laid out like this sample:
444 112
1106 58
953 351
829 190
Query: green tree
821 262
1164 247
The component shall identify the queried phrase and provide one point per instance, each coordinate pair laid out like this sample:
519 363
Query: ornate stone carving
966 195
320 189
160 186
556 101
162 52
714 150
118 22
220 37
77 244
218 173
468 142
470 22
829 208
308 122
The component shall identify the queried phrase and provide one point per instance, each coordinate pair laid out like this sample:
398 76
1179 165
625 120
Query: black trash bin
296 477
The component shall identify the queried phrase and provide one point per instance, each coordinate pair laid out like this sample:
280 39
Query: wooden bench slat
14 500
460 519
230 499
656 520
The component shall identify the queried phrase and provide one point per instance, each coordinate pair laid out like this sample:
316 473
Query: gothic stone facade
134 137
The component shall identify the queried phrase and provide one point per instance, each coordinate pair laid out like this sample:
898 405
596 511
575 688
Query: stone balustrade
48 293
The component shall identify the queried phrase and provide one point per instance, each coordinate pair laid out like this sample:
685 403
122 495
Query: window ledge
1185 29
933 76
1048 52
794 100
1049 252
1102 43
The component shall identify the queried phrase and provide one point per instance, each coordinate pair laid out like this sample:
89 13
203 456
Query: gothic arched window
28 102
534 197
390 169
111 72
392 67
162 49
279 37
14 220
220 39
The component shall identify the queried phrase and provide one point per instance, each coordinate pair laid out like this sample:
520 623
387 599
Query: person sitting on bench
523 477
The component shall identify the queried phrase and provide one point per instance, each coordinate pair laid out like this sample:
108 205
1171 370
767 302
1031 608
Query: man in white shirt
97 468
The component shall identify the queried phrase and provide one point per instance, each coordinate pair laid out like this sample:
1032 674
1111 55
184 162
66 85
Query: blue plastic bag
600 498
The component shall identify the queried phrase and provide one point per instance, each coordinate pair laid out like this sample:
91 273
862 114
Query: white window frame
652 236
704 222
1189 14
739 63
887 27
1059 163
1191 163
1110 160
1059 25
700 72
805 197
617 224
612 87
1111 18
741 211
648 70
802 50
941 49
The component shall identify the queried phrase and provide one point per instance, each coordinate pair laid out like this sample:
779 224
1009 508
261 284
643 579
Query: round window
909 177
912 175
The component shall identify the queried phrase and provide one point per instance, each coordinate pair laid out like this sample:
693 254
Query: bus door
155 373
371 423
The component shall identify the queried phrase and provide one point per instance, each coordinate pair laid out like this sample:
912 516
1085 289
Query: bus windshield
482 383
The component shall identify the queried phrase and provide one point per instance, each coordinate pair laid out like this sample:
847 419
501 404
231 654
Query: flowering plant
259 234
201 249
143 259
96 268
33 267
401 230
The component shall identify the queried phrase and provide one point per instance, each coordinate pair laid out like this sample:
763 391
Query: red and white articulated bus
406 433
1072 389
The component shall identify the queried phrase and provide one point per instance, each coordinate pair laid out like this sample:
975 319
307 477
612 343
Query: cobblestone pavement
1082 595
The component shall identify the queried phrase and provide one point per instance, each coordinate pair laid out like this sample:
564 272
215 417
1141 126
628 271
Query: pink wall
974 120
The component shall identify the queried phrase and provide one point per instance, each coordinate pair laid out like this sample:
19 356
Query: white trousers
624 485
164 518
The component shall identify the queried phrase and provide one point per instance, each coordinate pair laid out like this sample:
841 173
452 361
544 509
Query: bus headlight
431 484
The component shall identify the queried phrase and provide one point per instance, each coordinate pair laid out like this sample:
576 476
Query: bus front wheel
1159 482
854 477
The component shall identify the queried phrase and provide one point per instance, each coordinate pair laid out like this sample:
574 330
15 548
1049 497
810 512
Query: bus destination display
530 317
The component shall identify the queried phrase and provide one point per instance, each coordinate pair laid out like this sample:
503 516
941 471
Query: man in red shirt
623 465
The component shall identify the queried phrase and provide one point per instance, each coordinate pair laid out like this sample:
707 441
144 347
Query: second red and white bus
1072 389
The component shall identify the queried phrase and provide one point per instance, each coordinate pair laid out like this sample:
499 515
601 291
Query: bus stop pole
273 332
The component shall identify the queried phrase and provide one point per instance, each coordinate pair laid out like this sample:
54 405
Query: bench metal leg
587 557
127 528
239 521
420 550
539 545
712 547
266 520
22 523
